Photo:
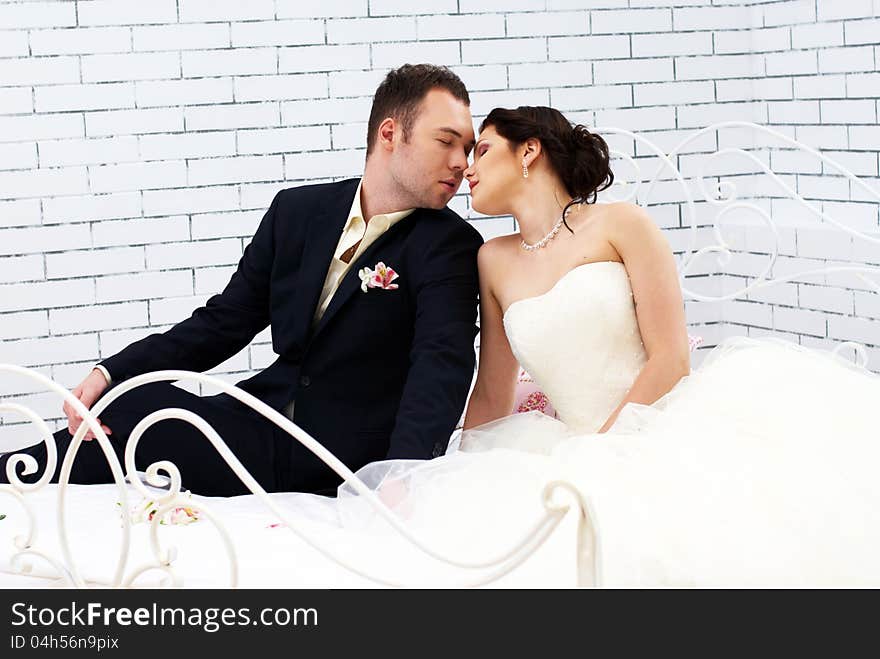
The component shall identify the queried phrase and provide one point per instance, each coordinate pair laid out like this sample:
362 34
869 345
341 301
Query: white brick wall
140 142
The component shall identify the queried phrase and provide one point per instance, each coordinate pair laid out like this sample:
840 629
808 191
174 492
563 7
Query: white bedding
268 556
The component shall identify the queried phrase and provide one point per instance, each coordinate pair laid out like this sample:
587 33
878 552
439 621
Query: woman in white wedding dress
759 468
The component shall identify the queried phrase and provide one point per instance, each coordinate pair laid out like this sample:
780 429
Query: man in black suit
370 287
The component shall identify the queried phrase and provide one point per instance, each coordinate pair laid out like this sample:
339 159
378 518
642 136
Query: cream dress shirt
355 229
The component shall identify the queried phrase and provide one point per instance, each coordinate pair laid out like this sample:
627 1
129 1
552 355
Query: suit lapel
322 238
351 282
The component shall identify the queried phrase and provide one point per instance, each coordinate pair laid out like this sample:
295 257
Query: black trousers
263 448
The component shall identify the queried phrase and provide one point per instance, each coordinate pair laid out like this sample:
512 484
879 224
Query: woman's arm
648 259
494 389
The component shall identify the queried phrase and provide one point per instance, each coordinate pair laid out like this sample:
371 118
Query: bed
143 530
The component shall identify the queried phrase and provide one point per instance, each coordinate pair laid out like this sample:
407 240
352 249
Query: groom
370 288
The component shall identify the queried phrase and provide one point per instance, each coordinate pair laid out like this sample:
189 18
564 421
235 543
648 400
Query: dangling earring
525 170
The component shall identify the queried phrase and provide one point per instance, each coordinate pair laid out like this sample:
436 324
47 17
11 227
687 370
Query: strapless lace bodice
580 341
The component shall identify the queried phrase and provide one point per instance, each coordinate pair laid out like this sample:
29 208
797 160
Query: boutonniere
379 277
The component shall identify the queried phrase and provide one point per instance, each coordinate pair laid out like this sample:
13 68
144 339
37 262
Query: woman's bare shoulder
628 212
624 220
634 233
493 260
495 251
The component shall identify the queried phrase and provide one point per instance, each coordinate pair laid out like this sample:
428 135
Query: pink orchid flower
145 511
183 516
379 277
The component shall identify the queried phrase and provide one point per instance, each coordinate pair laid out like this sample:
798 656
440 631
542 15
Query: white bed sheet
268 556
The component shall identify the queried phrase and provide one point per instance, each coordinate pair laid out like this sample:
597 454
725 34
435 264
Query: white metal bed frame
559 497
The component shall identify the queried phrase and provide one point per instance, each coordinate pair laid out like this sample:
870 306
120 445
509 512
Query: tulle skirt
760 468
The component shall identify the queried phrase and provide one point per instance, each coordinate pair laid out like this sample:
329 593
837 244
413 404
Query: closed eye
444 141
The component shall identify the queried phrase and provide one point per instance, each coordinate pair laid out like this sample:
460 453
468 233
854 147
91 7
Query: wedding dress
760 468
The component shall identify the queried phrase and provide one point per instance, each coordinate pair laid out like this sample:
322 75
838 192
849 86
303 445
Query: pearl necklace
546 239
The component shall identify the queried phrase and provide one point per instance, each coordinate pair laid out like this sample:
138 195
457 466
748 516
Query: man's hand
87 391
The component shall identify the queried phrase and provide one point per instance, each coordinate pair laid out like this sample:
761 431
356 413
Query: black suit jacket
385 374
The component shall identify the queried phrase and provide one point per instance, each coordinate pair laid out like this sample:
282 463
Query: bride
607 287
758 468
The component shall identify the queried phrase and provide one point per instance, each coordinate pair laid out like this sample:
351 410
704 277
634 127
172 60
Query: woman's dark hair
579 157
403 89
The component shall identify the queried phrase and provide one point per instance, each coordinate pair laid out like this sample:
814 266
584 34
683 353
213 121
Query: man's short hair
399 95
